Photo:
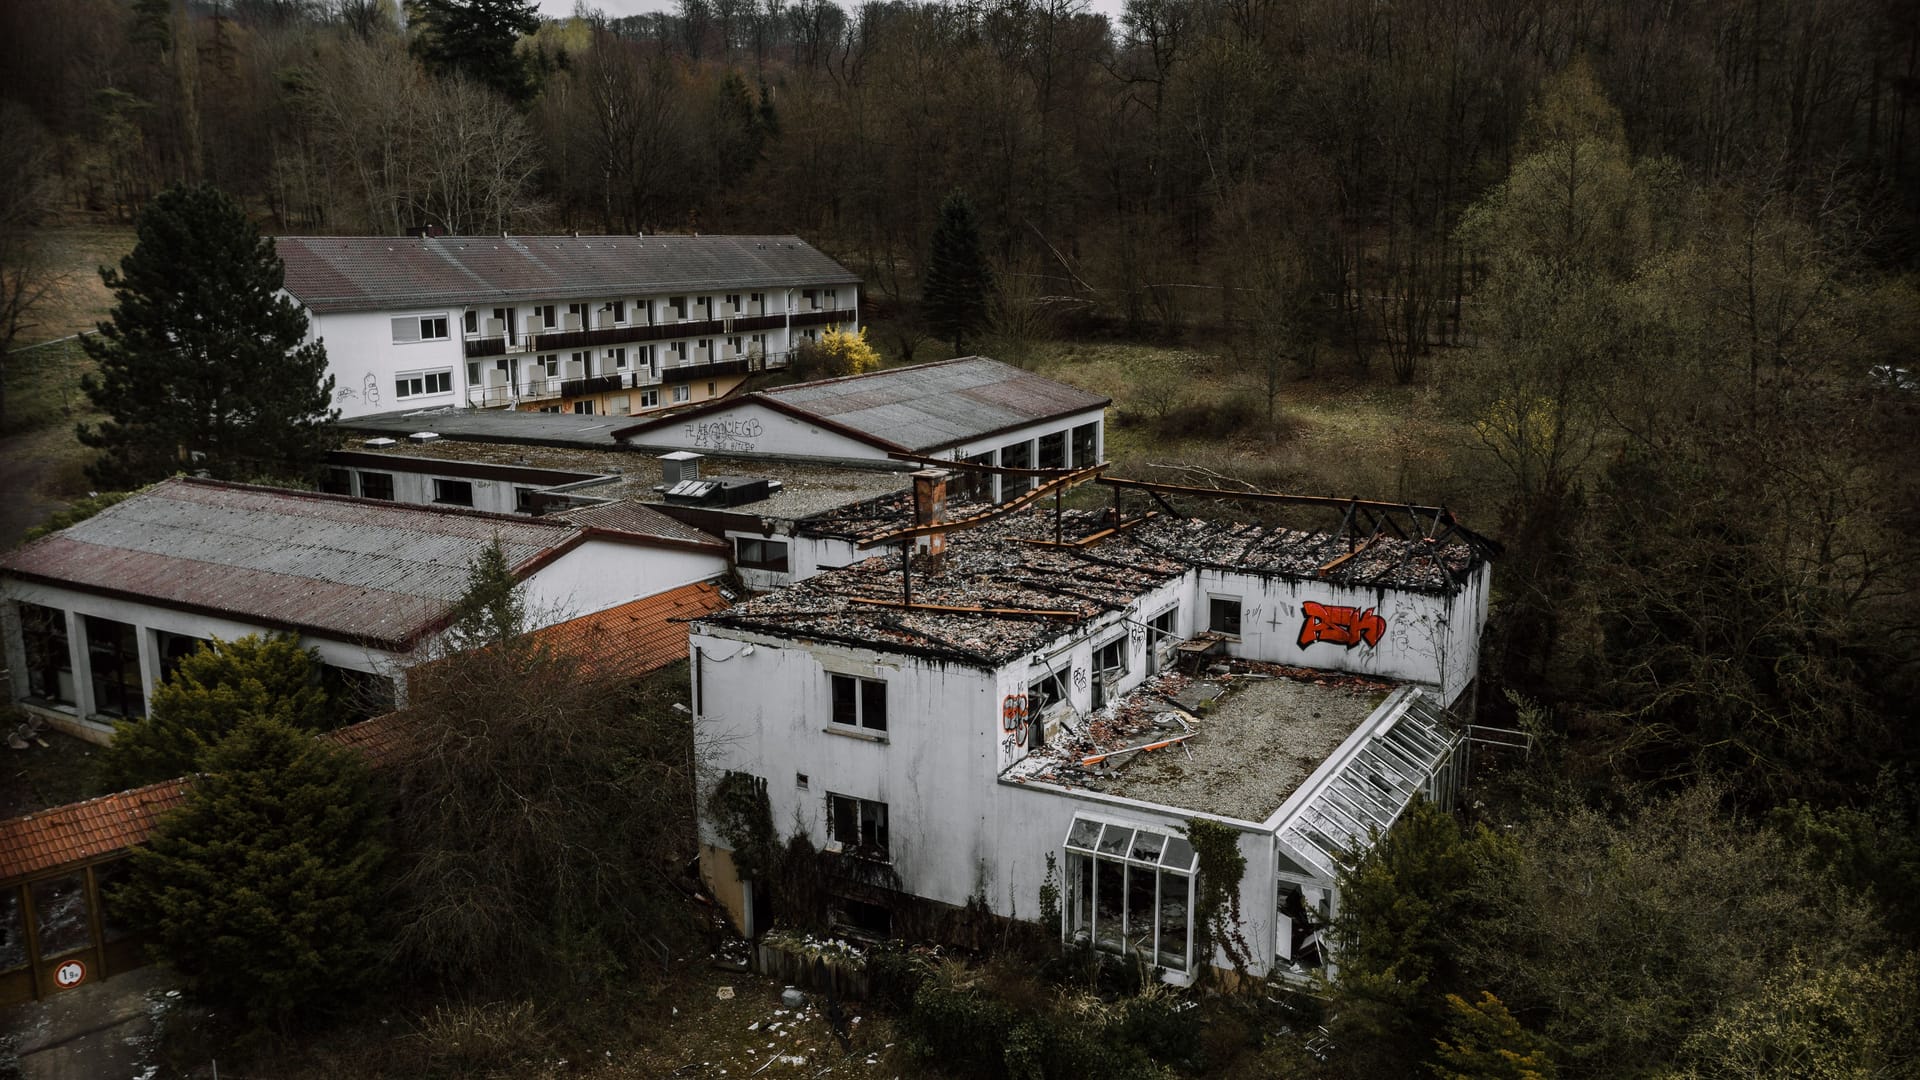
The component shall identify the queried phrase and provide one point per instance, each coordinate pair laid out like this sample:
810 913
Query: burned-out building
1051 695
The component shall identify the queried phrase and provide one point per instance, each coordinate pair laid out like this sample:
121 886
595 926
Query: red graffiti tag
1340 625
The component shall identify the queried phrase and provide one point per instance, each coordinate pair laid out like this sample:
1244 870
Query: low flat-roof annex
920 408
362 570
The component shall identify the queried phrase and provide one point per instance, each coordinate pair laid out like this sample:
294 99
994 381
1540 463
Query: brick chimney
930 508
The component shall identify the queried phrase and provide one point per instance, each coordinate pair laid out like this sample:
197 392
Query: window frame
682 394
423 383
761 559
443 487
1214 600
868 818
862 695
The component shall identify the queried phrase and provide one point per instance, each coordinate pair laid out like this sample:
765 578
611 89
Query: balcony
592 384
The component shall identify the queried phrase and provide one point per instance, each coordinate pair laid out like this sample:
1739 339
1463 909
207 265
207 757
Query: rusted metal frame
1091 539
1073 479
974 466
1346 520
960 609
1325 501
1337 562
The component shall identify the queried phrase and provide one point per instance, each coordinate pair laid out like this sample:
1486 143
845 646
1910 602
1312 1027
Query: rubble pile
1247 547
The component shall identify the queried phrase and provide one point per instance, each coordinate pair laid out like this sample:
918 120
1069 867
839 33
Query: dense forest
1657 263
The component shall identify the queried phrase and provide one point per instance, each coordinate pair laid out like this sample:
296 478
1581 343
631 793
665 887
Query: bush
837 353
479 1038
263 888
216 689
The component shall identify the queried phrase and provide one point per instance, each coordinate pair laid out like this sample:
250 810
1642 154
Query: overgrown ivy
1217 893
744 818
1050 915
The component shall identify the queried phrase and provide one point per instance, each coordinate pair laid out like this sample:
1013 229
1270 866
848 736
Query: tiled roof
84 830
921 408
380 273
356 569
380 740
933 406
637 520
635 638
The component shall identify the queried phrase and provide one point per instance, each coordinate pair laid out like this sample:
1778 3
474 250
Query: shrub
263 888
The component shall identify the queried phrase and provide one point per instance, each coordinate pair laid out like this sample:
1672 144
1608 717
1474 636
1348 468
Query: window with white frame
858 826
421 383
1130 891
733 303
548 315
679 305
1223 615
618 357
833 298
679 351
858 702
472 321
682 393
736 345
650 399
1109 667
584 408
757 302
548 364
619 311
412 328
754 553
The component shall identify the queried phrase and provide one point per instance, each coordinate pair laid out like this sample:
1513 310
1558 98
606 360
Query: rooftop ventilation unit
380 443
423 436
679 465
721 491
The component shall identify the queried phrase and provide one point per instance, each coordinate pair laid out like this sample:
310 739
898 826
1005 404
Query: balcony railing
592 384
560 340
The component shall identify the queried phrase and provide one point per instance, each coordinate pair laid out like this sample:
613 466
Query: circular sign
70 974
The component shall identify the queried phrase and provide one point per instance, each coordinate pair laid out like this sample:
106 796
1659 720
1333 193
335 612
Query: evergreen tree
493 610
959 281
212 693
263 888
202 364
477 39
1485 1042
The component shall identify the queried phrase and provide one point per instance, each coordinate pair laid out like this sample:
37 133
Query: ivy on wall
744 818
1216 915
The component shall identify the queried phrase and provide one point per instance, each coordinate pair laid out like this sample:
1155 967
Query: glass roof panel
1084 834
1147 845
1178 855
1115 840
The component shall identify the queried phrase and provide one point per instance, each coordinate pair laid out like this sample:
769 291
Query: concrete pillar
149 644
81 663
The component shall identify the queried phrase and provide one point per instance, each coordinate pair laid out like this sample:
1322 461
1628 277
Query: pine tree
203 364
264 888
959 281
213 692
1485 1042
493 610
477 39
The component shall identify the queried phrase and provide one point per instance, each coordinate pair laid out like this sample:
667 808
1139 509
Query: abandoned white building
1010 709
588 324
97 613
969 409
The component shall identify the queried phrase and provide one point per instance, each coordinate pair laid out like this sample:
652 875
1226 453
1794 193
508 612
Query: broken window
173 649
860 702
1223 615
43 631
1130 890
754 553
60 915
453 492
113 654
859 826
973 483
1086 445
1109 666
1016 456
1053 450
1045 692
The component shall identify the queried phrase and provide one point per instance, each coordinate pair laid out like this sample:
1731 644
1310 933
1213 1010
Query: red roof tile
635 638
85 830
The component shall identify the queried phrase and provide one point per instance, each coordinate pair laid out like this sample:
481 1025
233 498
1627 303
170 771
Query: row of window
419 383
1049 451
585 315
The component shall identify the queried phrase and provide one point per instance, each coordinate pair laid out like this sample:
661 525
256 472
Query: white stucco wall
751 427
1421 638
599 574
364 360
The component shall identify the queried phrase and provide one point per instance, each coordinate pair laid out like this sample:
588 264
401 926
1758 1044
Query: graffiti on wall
1345 626
1013 726
740 433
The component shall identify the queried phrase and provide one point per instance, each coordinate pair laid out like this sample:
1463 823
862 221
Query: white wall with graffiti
367 364
750 427
1394 633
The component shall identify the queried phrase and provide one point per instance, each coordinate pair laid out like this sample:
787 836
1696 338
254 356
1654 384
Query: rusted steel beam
963 609
1070 480
969 466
